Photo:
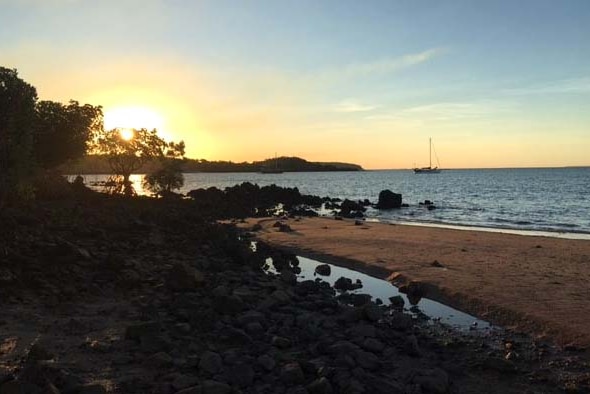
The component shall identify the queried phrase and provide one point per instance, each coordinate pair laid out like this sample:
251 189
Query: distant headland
98 164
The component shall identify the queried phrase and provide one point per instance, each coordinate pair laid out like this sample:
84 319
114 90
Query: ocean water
553 200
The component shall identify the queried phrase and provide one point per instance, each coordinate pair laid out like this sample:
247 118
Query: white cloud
446 111
393 64
353 106
380 67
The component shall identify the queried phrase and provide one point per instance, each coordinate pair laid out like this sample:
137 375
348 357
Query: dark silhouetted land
95 164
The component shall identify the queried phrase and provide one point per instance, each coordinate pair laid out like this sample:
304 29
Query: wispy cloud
446 111
393 64
353 106
564 86
449 111
379 67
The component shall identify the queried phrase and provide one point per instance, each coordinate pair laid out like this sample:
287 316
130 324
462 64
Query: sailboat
271 170
429 169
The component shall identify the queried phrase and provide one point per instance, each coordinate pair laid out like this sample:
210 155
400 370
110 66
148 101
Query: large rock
320 386
39 352
352 209
266 362
433 381
158 360
241 375
211 362
184 381
207 387
215 387
292 374
228 305
15 386
184 278
368 360
389 200
136 332
288 276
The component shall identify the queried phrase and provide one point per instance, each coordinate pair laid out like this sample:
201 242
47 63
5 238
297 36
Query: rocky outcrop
251 200
389 200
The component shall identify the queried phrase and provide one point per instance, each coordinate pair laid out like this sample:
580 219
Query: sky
493 83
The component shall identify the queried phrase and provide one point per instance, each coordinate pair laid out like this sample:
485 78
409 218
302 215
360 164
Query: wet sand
539 285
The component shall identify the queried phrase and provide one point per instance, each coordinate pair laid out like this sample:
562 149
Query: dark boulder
183 277
323 269
397 302
285 228
292 374
389 200
343 283
352 209
414 290
302 211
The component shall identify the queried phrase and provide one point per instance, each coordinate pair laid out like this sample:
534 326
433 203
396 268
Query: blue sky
502 83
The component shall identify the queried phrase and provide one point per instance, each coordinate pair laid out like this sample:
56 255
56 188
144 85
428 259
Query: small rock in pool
323 269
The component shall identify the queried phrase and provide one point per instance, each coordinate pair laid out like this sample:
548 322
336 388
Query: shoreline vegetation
97 164
113 294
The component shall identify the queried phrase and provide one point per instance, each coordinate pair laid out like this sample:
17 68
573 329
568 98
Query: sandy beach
539 285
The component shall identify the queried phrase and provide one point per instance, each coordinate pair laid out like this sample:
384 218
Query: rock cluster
251 200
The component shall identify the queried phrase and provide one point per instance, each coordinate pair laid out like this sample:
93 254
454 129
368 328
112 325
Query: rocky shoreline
102 294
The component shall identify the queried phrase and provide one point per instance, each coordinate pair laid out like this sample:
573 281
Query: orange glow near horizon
171 116
132 118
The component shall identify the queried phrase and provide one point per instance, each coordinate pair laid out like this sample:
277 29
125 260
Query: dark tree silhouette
17 117
126 156
166 179
64 131
168 176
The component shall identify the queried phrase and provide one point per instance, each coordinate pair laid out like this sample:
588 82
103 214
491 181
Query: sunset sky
494 83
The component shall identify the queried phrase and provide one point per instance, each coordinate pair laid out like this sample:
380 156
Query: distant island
97 164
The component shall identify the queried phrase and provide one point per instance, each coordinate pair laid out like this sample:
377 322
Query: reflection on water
96 181
382 289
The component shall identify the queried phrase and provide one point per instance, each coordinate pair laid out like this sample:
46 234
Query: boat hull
426 171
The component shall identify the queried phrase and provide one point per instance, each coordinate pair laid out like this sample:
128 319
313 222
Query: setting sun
127 118
126 134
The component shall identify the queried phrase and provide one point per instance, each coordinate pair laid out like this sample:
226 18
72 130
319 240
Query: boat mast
430 152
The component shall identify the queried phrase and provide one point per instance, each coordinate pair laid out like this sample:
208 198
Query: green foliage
64 132
128 155
17 116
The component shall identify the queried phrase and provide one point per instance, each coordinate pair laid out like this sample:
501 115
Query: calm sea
538 200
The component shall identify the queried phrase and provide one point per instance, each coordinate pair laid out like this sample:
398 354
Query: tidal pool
382 289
